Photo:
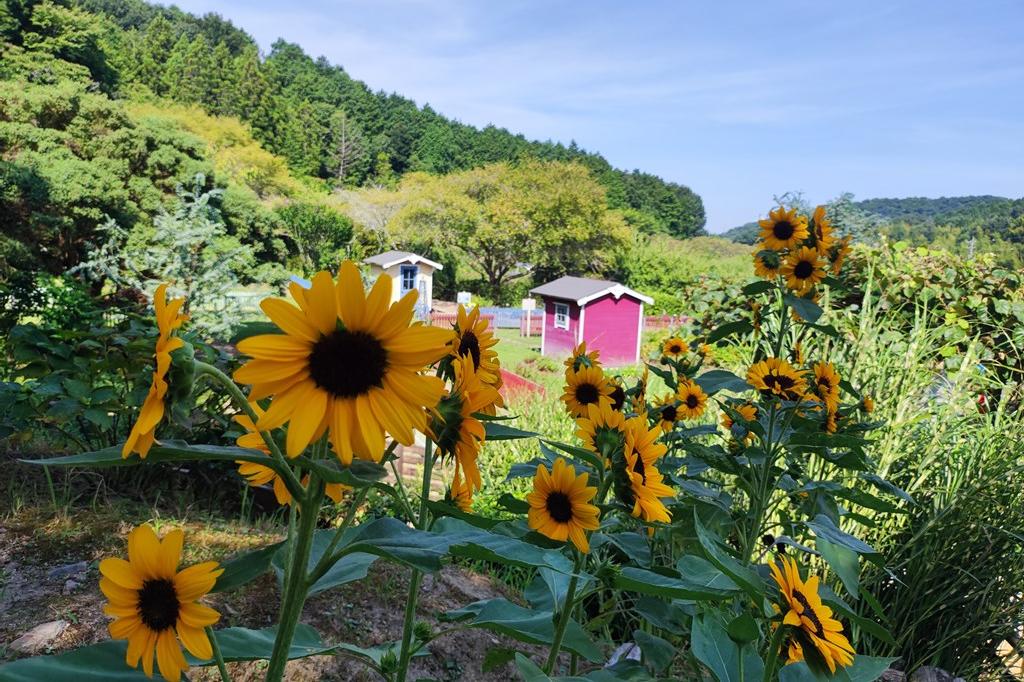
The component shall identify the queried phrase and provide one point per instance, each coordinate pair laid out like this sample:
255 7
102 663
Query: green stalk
328 559
773 653
564 615
417 576
217 655
294 597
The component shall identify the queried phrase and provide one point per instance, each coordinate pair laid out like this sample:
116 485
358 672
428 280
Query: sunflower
474 338
822 231
798 353
666 410
767 264
560 504
838 254
803 269
582 358
603 430
813 620
783 229
830 424
168 319
646 487
755 315
618 394
746 410
455 429
674 347
868 404
826 385
705 351
154 604
692 400
773 376
639 401
583 387
460 494
347 362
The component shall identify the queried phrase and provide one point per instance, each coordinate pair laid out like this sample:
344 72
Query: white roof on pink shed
583 290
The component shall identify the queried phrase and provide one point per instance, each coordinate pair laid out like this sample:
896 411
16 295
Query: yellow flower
347 362
456 431
868 403
674 347
474 338
560 505
667 411
168 319
646 484
826 385
582 358
777 377
603 430
798 353
705 351
767 264
747 411
155 605
586 386
618 393
692 400
461 493
822 231
812 619
640 397
838 254
783 229
803 269
830 425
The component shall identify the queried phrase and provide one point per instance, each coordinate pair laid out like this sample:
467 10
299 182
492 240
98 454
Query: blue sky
738 100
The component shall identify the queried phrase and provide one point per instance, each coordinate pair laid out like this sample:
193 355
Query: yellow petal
195 640
275 347
305 420
121 573
289 319
321 304
170 552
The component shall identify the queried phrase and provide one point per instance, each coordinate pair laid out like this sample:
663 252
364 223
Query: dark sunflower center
825 384
470 345
776 381
803 269
809 613
347 363
587 394
158 604
668 413
692 402
618 398
559 507
783 230
638 467
675 349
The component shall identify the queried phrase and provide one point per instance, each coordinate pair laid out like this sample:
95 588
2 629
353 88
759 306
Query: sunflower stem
773 652
283 469
417 576
564 614
328 559
295 587
217 655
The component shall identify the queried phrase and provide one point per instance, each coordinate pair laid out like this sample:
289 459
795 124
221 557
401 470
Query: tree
347 148
321 234
70 34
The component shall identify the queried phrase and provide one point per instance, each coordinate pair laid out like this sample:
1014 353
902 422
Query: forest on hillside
109 108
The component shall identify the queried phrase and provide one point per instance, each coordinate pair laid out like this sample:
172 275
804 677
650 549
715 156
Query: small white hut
407 271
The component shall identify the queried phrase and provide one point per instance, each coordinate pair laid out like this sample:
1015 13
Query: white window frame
564 316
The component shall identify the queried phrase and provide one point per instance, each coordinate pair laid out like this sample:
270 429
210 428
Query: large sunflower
826 385
692 400
773 376
618 393
646 486
603 430
154 603
674 347
813 620
348 362
581 357
457 432
168 319
822 231
803 269
783 229
767 264
560 504
583 387
666 410
837 254
474 338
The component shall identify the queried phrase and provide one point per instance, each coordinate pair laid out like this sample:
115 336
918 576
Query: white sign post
529 305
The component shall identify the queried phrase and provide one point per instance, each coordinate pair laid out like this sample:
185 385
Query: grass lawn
514 349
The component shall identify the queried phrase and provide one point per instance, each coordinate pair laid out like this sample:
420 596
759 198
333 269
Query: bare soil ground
38 550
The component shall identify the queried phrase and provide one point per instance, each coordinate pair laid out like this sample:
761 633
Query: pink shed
607 315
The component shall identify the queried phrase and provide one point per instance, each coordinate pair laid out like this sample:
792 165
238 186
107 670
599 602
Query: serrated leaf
808 310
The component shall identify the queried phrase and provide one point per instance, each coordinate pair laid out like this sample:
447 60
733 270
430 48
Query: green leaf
526 625
347 569
526 469
845 563
359 474
698 571
440 508
807 309
529 670
721 380
758 287
658 653
727 660
465 541
496 657
634 545
246 567
728 329
104 662
887 487
676 586
864 669
166 451
743 629
513 504
587 456
499 431
740 574
667 615
823 527
393 540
